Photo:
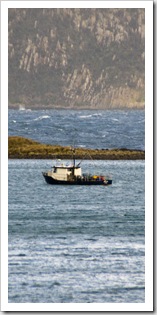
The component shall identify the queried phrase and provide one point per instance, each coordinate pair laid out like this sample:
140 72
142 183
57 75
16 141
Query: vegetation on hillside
23 148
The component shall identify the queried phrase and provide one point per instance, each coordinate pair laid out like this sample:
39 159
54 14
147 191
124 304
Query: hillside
86 58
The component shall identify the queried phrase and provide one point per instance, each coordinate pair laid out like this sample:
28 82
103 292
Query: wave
21 107
114 119
85 116
97 114
96 129
41 117
90 115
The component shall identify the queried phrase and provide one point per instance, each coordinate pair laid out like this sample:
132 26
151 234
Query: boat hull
52 181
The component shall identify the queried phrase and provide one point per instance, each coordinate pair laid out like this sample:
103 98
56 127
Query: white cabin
65 172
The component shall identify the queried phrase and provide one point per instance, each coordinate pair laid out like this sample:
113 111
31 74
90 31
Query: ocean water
83 244
84 128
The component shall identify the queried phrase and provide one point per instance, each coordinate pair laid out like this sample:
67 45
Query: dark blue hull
52 181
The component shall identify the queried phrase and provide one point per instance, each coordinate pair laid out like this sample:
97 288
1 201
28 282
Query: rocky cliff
86 58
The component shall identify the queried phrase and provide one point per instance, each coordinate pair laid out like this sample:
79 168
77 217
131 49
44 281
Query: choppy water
91 129
80 244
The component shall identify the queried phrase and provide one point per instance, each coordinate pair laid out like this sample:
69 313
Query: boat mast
73 156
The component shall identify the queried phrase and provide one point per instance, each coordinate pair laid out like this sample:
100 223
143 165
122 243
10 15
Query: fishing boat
62 174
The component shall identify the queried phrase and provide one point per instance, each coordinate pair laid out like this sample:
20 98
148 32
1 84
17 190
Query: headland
23 148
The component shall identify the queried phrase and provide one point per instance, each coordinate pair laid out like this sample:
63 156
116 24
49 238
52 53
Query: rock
88 58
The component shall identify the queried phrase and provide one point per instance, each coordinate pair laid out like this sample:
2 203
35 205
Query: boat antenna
73 150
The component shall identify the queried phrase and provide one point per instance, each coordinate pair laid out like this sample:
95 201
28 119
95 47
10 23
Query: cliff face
87 58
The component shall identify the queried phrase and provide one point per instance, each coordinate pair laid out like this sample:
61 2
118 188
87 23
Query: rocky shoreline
23 148
130 106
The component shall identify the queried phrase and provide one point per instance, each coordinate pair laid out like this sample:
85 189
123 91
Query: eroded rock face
91 58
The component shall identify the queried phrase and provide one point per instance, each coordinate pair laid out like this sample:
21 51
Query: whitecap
115 119
85 116
21 107
97 114
41 117
90 115
14 121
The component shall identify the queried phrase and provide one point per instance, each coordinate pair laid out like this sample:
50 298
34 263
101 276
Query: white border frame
148 305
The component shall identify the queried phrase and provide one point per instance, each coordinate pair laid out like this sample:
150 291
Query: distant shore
23 148
135 106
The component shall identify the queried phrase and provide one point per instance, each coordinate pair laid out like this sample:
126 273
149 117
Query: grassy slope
22 148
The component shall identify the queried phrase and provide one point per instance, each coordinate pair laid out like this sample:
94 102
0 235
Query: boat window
55 170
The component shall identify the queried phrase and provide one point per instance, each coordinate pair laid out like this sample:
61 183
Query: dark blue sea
83 244
91 129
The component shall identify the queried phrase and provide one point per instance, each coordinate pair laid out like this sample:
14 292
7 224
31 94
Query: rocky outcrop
87 58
